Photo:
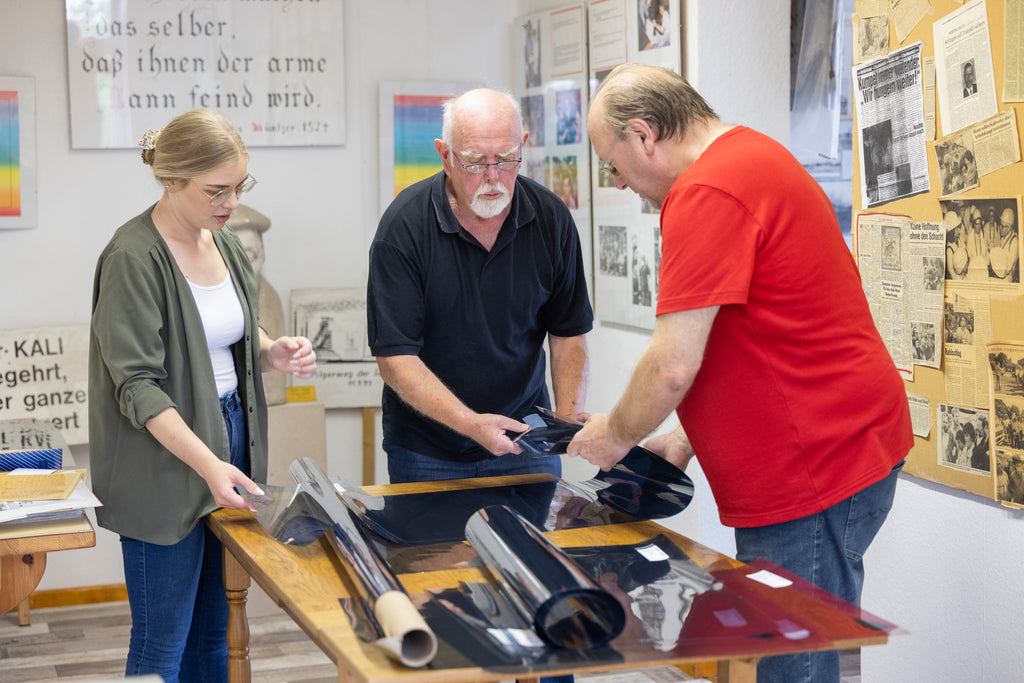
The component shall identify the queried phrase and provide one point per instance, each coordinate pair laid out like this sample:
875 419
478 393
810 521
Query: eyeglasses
219 198
605 167
477 169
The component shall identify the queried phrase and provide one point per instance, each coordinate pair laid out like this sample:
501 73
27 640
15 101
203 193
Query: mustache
492 187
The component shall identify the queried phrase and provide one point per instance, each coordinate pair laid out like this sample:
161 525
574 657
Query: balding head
661 97
478 106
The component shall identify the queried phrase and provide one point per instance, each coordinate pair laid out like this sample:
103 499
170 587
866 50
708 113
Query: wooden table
307 581
23 548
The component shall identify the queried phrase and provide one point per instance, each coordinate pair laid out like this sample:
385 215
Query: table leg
737 671
24 614
19 576
236 587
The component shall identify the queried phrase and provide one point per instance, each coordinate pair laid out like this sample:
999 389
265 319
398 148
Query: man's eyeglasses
605 167
477 169
219 198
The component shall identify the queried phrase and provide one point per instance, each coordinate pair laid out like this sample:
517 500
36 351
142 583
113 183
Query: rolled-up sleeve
128 322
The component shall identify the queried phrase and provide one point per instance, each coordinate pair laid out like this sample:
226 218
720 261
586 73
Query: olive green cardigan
148 352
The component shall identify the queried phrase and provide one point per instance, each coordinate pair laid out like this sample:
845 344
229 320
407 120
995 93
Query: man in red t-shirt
764 344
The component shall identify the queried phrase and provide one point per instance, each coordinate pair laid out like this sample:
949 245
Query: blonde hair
192 144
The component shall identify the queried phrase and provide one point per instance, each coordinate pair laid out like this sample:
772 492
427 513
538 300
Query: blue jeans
826 549
176 593
406 466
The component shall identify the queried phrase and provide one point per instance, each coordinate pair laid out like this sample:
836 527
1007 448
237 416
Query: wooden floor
90 643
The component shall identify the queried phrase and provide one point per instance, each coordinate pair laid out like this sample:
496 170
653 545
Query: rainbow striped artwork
417 123
10 155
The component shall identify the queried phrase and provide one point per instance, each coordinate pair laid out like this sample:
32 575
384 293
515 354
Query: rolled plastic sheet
313 508
567 607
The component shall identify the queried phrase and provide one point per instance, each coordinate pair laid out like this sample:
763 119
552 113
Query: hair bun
148 144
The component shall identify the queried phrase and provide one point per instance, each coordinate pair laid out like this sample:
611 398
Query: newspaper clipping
1013 66
1006 362
966 321
920 415
901 266
906 14
890 113
977 150
928 73
983 244
964 439
963 67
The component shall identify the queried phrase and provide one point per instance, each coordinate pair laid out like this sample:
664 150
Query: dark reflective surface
642 486
567 607
315 508
674 608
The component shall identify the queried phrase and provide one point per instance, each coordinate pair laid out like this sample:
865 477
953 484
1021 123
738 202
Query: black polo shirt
477 318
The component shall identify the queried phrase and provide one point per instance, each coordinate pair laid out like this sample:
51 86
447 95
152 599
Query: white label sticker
771 580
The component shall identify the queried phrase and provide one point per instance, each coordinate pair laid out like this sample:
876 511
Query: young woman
177 417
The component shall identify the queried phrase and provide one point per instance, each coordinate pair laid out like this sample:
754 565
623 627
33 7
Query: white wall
323 202
947 565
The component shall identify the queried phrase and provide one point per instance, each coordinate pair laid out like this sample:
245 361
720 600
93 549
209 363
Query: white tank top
224 324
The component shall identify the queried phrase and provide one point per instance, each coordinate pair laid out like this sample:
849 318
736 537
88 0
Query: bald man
471 271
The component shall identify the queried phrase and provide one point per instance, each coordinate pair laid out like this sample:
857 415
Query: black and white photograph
958 168
533 119
1009 428
1006 362
334 320
970 80
613 250
983 241
963 438
536 169
873 39
1010 477
891 238
922 337
531 53
1007 374
959 325
933 272
643 275
878 157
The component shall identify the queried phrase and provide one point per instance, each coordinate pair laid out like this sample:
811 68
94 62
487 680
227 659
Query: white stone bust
250 225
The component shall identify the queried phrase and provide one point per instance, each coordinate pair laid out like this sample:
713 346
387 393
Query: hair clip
148 140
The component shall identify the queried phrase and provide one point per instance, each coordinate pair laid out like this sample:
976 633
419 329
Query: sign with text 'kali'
274 69
44 375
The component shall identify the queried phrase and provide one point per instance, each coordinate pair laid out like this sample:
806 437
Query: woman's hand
222 478
291 355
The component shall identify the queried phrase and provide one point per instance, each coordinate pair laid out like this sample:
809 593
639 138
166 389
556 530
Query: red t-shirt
797 404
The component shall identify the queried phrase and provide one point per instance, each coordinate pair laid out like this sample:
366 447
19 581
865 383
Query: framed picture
410 121
17 153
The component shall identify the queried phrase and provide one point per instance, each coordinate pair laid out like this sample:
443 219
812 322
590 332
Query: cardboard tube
406 635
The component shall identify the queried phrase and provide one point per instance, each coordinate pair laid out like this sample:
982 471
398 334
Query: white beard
489 208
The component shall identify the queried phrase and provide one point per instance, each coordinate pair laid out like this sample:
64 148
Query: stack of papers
78 500
38 479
